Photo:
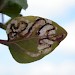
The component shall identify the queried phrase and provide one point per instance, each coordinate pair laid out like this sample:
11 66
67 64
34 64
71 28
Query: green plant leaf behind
12 8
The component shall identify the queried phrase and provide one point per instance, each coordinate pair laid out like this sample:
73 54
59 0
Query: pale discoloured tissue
45 29
43 46
40 22
32 54
26 30
46 51
48 21
46 41
51 32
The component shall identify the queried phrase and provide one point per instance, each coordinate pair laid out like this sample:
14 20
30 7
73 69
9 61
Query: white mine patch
8 30
46 41
27 28
44 29
46 51
48 21
51 32
40 22
37 24
41 47
34 54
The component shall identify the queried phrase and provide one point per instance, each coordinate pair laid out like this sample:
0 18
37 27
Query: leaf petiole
5 42
2 26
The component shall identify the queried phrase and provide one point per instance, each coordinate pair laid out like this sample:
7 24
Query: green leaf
25 51
12 8
31 38
22 3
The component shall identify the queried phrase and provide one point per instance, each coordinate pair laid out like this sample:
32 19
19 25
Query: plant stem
2 18
2 26
5 42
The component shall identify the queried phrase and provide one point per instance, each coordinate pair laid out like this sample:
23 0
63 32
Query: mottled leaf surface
30 38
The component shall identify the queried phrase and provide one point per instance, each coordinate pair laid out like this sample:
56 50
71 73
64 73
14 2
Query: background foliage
12 8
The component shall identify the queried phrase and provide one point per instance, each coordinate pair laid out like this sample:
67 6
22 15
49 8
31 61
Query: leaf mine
31 38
